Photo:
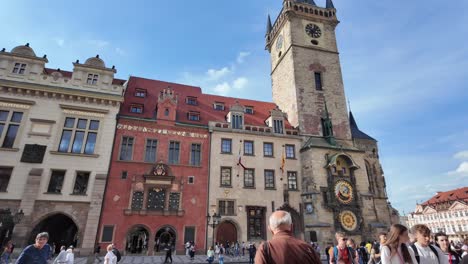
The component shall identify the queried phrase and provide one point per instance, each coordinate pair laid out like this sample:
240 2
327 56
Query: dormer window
278 126
92 79
218 106
140 93
19 68
193 116
138 109
191 100
237 121
249 110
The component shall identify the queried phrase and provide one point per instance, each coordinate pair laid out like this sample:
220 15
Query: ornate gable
457 205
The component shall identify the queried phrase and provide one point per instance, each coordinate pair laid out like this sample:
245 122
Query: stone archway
226 232
61 228
137 240
165 236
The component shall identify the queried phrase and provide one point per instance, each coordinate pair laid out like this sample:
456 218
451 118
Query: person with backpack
341 253
110 257
116 252
363 254
441 240
395 249
423 251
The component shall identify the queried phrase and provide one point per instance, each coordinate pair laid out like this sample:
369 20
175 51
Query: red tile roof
204 106
453 195
68 74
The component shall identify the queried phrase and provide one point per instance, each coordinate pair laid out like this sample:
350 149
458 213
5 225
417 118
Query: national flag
283 161
239 161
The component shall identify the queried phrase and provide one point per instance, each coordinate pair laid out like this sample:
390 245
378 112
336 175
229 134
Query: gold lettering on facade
160 131
13 105
76 112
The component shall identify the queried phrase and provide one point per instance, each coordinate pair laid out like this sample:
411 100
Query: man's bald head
279 221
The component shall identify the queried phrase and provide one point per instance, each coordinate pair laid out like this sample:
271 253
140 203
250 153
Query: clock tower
305 67
342 182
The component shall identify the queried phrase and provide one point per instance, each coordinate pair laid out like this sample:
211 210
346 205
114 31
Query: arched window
166 112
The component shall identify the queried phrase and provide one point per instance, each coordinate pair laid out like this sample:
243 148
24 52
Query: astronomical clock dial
313 30
279 42
344 192
348 220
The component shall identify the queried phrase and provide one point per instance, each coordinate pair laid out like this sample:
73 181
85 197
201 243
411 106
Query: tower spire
269 26
330 4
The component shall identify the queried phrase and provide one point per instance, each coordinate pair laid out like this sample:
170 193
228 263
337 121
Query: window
226 145
248 148
81 183
150 153
83 134
5 174
192 101
195 155
174 201
19 68
156 199
249 110
218 106
166 112
92 79
236 121
269 179
56 181
292 180
191 179
278 126
137 200
256 223
193 116
226 207
268 149
10 122
318 81
124 175
226 176
174 148
126 148
107 234
138 109
140 93
290 151
249 178
189 233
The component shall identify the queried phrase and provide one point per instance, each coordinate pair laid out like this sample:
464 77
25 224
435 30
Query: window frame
140 93
6 127
221 177
177 161
193 116
253 148
102 233
272 149
92 79
126 152
237 121
278 129
230 145
74 129
253 178
50 179
138 107
87 183
8 178
293 151
295 180
249 110
191 100
265 179
152 140
318 80
192 154
221 105
226 211
262 221
19 68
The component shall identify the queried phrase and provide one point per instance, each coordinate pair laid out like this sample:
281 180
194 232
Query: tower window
194 116
278 126
92 79
318 81
19 68
136 109
140 93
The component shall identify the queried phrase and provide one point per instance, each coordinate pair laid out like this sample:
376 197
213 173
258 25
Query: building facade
445 212
157 190
51 123
342 179
254 171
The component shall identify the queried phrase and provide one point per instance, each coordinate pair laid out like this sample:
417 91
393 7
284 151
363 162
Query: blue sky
404 65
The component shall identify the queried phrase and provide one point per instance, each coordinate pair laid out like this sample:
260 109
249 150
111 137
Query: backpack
416 254
350 254
362 251
117 254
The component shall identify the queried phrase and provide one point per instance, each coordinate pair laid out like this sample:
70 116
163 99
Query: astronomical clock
342 189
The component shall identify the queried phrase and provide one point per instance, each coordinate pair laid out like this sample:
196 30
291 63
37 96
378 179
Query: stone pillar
23 229
94 213
151 246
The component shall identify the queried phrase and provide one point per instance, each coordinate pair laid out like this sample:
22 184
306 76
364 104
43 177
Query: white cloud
222 88
120 51
217 74
242 55
462 155
99 43
60 42
240 83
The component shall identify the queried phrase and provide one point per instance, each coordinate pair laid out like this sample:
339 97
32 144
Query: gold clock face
344 192
348 220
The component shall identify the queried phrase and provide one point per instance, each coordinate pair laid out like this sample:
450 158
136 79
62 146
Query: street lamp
213 221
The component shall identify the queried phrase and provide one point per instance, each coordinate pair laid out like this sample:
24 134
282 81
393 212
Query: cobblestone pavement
160 259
